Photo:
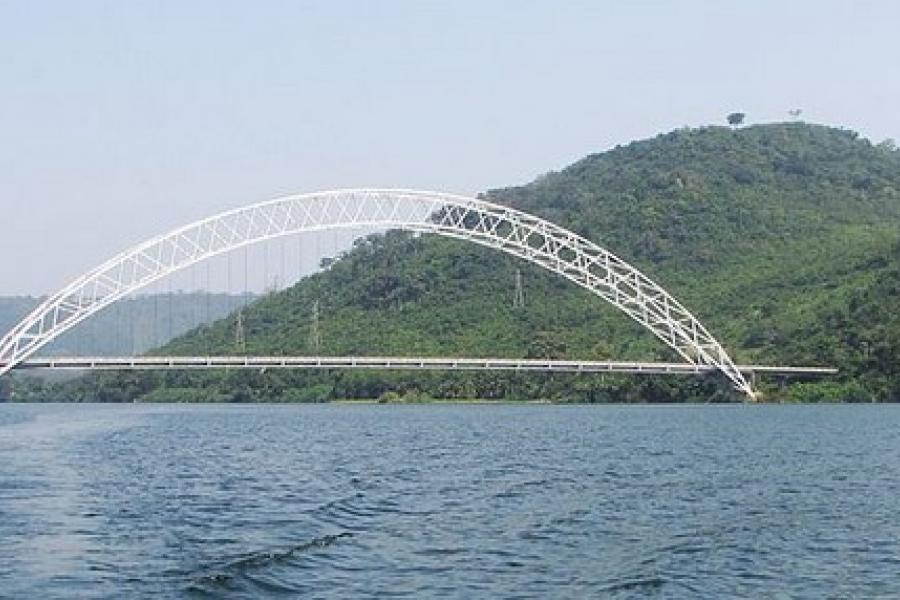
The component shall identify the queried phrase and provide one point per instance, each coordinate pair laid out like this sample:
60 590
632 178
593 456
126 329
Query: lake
458 501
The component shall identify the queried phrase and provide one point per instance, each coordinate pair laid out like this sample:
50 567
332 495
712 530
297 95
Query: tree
546 344
736 119
601 351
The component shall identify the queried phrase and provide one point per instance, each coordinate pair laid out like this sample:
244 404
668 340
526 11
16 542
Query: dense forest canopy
783 239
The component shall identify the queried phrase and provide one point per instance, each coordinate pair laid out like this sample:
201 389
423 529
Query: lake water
457 501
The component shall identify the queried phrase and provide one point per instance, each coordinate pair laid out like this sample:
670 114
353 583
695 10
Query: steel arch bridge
506 229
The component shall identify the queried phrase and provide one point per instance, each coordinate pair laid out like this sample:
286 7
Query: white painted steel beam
395 363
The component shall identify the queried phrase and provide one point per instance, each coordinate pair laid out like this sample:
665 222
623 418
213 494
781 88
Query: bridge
513 232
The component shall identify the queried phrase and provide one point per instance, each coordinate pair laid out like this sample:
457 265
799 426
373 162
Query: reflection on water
456 501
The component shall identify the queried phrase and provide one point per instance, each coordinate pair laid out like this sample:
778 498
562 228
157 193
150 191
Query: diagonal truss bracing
506 229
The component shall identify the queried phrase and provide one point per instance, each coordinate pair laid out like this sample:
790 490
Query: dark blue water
449 501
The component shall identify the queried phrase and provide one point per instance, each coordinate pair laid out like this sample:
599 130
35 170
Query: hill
783 239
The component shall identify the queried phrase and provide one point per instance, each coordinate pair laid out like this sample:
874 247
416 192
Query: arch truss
503 228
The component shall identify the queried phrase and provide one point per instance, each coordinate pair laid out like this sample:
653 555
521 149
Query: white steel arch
509 230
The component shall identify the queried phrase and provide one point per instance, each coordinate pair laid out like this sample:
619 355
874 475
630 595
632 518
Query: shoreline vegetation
623 391
422 400
783 239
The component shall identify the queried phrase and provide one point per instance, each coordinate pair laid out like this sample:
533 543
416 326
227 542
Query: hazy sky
120 120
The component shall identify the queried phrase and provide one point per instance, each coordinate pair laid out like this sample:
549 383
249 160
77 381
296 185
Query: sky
122 120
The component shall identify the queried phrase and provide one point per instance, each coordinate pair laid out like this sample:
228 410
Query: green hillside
783 239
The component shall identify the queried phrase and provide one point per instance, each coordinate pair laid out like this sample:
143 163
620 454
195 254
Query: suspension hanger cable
246 276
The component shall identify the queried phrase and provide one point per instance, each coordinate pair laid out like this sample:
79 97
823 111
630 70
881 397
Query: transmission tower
315 338
240 338
519 297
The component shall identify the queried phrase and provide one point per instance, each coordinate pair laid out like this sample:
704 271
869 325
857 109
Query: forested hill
691 200
784 239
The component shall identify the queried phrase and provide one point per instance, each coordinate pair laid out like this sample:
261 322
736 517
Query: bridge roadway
398 363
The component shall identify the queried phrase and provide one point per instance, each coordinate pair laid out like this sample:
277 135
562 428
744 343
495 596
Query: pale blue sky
120 120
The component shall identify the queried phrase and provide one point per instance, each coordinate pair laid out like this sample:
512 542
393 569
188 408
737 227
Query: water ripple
449 501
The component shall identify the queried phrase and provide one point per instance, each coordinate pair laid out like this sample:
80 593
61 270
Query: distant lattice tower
519 297
315 338
240 337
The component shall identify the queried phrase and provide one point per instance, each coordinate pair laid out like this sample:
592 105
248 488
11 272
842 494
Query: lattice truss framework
512 231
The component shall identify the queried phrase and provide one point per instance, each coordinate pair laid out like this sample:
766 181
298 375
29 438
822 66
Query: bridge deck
395 363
